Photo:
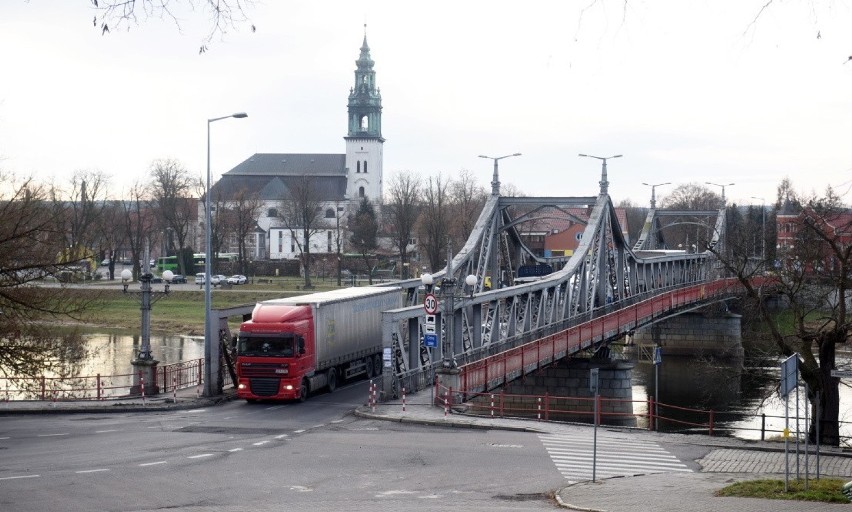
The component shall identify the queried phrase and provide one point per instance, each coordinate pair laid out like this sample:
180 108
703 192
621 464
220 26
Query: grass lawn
824 489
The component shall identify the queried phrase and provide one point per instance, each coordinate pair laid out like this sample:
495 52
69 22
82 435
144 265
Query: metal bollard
403 399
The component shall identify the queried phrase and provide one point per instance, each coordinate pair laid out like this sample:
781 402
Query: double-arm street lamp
723 189
653 188
210 388
495 181
604 183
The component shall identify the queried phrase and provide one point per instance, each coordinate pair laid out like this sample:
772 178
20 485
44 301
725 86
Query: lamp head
426 279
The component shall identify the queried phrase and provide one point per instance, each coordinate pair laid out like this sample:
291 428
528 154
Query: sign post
593 387
789 382
658 360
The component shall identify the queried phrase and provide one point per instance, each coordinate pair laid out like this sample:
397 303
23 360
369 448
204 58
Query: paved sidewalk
728 460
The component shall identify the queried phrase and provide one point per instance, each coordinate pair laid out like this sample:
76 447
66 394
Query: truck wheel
303 391
377 364
368 365
332 380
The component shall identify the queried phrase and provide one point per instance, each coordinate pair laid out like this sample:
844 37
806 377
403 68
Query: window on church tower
365 123
365 167
360 191
358 167
329 213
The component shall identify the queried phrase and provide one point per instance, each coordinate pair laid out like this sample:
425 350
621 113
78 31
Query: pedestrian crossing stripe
572 455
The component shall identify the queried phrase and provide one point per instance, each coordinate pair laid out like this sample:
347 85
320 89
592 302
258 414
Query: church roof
271 175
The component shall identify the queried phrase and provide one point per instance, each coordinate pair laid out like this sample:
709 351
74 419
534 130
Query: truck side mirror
301 346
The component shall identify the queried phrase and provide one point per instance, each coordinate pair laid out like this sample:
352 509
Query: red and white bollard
142 388
539 408
174 388
403 399
492 406
446 406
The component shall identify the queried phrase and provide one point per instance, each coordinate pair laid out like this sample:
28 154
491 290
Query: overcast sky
686 91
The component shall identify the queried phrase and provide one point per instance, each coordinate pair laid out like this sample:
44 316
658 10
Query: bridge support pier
566 386
692 335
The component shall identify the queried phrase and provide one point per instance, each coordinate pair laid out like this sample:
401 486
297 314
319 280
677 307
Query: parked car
237 279
178 279
215 279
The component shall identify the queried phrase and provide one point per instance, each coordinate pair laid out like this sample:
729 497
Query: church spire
365 99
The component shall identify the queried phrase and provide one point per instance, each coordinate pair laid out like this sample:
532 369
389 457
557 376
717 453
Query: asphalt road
267 456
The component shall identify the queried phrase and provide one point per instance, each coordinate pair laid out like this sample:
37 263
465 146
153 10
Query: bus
171 262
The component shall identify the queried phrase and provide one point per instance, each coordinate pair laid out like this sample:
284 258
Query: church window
360 191
280 241
272 212
365 167
358 166
329 213
365 123
329 242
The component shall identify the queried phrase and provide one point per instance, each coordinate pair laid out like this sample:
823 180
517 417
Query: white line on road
197 410
17 477
260 443
235 450
5 438
200 456
321 425
54 435
282 435
91 471
105 431
272 408
152 463
298 431
337 421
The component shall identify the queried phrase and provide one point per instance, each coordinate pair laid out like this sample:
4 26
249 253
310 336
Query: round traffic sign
430 304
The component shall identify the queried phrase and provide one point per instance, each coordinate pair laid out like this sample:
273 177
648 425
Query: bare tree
402 207
301 215
467 197
139 221
171 194
814 281
341 225
434 224
244 209
224 15
32 247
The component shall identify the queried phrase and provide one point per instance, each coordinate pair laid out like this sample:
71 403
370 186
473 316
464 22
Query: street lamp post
495 180
210 388
723 189
604 183
763 227
653 189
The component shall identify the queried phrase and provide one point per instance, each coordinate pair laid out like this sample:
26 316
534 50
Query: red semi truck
294 346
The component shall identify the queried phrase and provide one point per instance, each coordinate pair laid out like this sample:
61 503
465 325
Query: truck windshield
273 346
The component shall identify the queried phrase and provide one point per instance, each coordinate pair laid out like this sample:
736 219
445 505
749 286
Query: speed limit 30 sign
430 304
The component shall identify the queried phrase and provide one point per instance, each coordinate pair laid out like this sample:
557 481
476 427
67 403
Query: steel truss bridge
603 290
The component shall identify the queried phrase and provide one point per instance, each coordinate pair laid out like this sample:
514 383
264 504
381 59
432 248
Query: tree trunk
829 397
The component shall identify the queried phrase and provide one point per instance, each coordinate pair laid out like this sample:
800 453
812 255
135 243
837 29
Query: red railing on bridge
498 369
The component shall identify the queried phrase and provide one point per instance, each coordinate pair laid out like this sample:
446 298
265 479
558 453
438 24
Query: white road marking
153 463
235 450
321 425
200 456
105 431
91 471
197 410
273 407
18 477
337 421
298 431
282 435
5 437
54 435
260 443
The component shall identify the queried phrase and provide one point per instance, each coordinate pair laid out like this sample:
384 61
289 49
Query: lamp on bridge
653 188
495 181
604 183
723 189
470 281
210 388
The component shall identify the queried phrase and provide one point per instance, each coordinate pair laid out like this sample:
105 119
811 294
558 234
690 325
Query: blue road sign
430 340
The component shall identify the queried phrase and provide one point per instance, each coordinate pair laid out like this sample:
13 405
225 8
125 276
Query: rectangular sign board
430 340
593 380
789 375
841 373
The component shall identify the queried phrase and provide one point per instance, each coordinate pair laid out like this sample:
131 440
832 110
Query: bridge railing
646 413
497 369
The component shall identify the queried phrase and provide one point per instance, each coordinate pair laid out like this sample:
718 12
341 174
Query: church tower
364 142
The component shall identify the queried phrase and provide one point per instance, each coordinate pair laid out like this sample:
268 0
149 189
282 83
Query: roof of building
272 175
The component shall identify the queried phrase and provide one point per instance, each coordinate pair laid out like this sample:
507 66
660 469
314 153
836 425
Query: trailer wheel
332 380
377 364
303 391
368 365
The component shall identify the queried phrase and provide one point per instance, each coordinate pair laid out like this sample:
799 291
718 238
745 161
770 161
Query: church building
337 181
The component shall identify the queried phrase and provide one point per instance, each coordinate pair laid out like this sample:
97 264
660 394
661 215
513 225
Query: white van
199 278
